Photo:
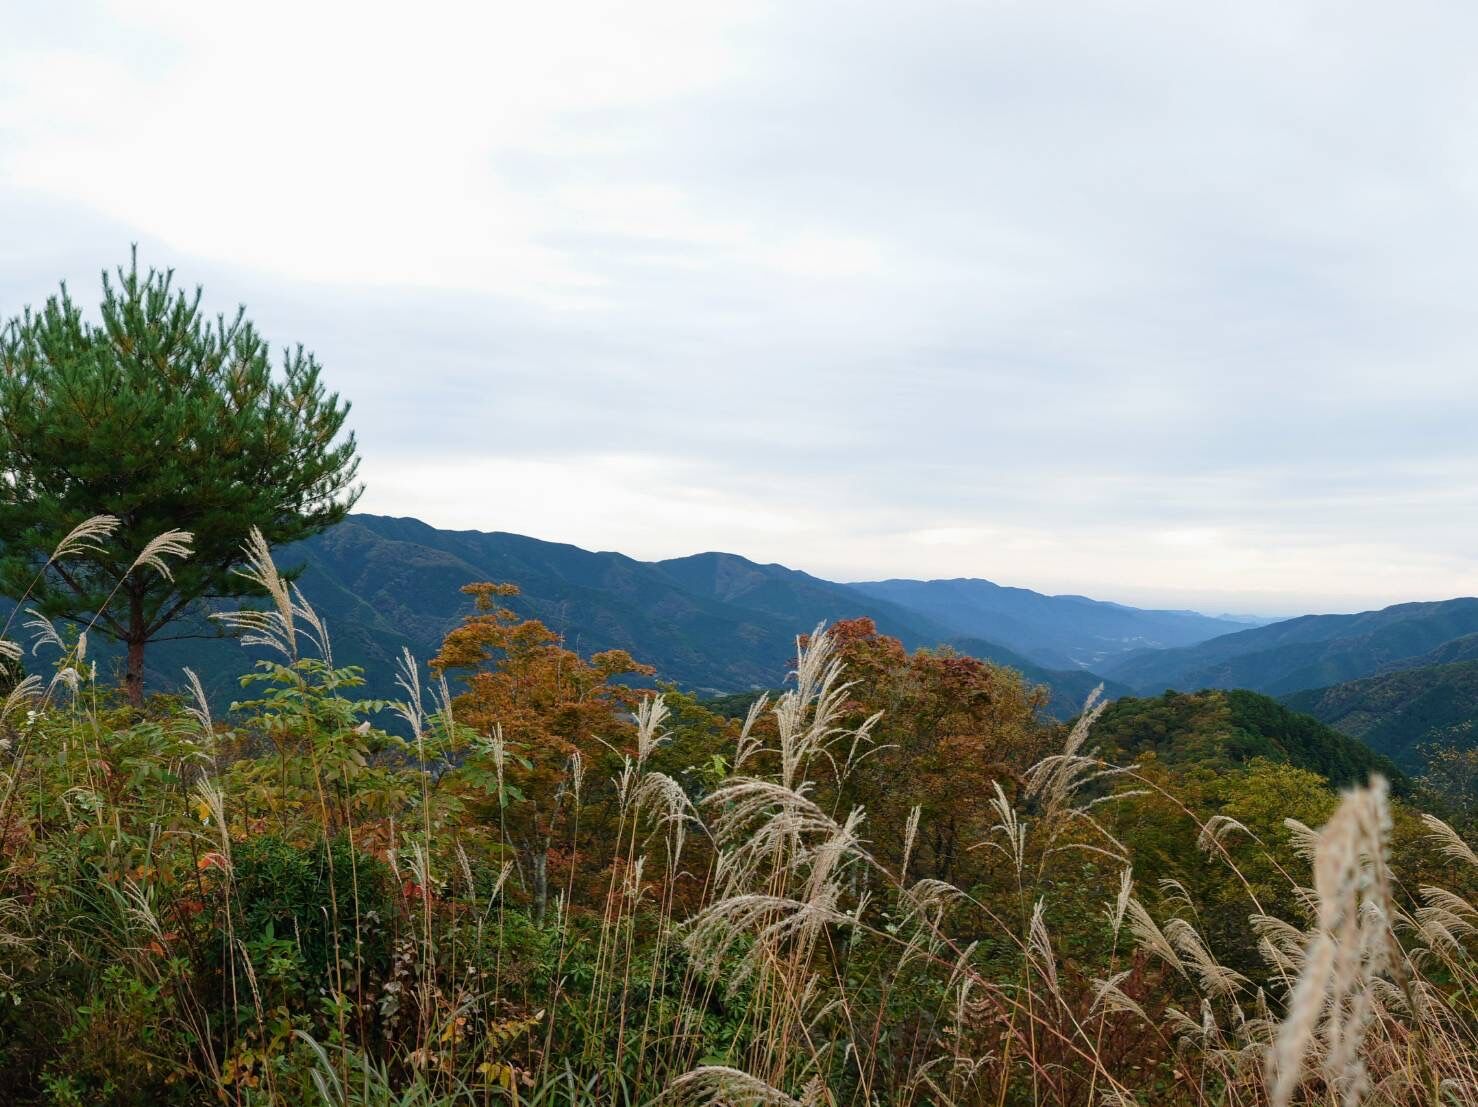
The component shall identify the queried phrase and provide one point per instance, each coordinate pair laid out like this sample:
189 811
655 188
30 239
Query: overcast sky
1165 303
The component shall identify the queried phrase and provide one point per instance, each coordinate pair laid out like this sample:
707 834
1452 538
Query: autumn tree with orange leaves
550 719
951 726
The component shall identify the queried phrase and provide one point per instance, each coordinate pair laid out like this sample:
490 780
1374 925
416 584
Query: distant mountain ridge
720 623
1060 631
1312 651
1464 648
712 622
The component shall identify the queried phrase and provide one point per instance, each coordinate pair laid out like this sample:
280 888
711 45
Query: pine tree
165 419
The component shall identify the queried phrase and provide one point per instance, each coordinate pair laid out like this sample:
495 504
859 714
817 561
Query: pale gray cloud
1151 301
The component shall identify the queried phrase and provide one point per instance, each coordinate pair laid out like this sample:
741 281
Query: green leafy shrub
124 1048
310 914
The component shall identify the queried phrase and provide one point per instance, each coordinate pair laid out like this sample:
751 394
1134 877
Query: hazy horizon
662 555
1159 306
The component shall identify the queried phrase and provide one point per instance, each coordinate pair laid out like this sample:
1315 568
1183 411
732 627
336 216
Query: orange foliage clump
550 714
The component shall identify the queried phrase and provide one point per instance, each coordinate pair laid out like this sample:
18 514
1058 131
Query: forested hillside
1308 652
713 623
1403 713
561 889
1216 730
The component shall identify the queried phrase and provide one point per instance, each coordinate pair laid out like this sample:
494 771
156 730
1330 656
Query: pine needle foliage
167 422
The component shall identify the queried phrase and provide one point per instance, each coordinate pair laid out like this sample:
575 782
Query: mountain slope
1057 631
1217 727
1397 713
711 622
382 584
797 598
1456 649
394 579
1308 652
803 600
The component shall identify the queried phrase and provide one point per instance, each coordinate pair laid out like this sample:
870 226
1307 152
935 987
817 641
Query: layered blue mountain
713 622
1313 651
716 622
1056 631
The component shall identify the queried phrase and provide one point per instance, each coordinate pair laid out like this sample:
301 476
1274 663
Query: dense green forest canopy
1405 714
1225 729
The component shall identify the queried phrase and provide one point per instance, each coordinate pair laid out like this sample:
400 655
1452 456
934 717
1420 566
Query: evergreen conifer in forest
168 421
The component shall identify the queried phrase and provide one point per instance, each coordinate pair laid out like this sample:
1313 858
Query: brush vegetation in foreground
893 884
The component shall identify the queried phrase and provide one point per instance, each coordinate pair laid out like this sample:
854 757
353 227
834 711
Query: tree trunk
133 673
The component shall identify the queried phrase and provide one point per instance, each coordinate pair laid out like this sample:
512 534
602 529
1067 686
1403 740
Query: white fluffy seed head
1347 955
172 543
86 537
275 628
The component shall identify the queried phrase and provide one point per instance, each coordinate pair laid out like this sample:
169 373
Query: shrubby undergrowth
526 882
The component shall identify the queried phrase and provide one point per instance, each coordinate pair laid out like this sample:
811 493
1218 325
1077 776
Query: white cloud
1154 302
